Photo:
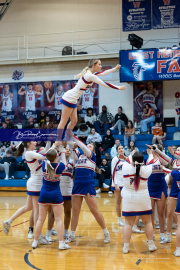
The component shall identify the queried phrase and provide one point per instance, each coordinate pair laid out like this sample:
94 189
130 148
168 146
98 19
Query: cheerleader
84 186
87 77
172 201
157 185
51 195
136 200
34 160
117 179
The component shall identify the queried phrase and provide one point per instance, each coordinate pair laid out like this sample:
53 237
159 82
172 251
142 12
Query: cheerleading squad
139 186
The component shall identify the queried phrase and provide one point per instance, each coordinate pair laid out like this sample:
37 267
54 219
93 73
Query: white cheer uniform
34 160
66 181
6 103
136 203
116 170
71 96
30 101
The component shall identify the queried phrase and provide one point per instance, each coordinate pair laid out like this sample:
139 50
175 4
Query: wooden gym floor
87 252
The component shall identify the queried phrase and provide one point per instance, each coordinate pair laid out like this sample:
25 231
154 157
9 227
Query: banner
166 14
19 101
136 15
148 93
150 64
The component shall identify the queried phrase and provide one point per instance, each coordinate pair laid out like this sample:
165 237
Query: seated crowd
89 129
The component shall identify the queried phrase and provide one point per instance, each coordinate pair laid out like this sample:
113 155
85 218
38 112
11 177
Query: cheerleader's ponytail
138 159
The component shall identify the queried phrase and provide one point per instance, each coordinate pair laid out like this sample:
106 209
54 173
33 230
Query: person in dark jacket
107 141
105 174
28 124
57 117
5 163
41 118
22 166
120 120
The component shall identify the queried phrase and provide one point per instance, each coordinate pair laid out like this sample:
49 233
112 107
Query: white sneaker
126 250
140 224
162 238
66 235
98 191
6 226
42 240
105 186
157 226
106 238
121 223
174 233
48 238
53 232
30 235
166 240
152 247
34 245
110 192
119 133
154 237
64 246
136 230
70 239
112 128
6 178
177 253
174 226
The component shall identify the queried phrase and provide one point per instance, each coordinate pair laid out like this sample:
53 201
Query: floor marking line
18 224
26 259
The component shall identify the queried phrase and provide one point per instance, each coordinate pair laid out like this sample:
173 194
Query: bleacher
141 141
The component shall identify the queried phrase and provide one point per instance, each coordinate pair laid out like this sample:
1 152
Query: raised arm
91 77
105 72
163 157
175 154
86 150
48 98
138 96
20 92
47 147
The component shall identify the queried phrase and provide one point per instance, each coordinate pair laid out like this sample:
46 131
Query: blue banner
150 64
136 15
166 14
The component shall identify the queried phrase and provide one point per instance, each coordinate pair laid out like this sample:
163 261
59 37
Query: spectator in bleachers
57 117
113 152
41 118
129 133
1 119
4 126
131 148
83 132
3 151
94 137
28 124
22 166
108 158
147 119
9 123
5 163
104 119
36 126
107 141
90 118
79 122
6 144
55 124
176 136
120 121
105 174
159 131
47 124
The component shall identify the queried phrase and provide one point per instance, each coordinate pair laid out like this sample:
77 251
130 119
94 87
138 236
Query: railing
91 42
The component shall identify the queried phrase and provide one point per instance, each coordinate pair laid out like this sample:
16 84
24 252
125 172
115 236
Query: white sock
162 234
150 242
9 220
61 242
105 231
72 233
135 226
35 242
65 231
178 248
48 233
126 245
120 219
168 235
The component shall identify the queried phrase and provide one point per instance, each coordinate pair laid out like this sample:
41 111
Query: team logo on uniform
138 68
17 75
131 181
166 2
136 4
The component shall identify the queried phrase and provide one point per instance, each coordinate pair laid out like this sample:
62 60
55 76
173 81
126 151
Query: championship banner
19 101
150 64
136 15
166 14
148 93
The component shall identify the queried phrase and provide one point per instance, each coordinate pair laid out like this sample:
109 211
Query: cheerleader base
177 211
136 203
52 196
83 187
156 188
34 185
